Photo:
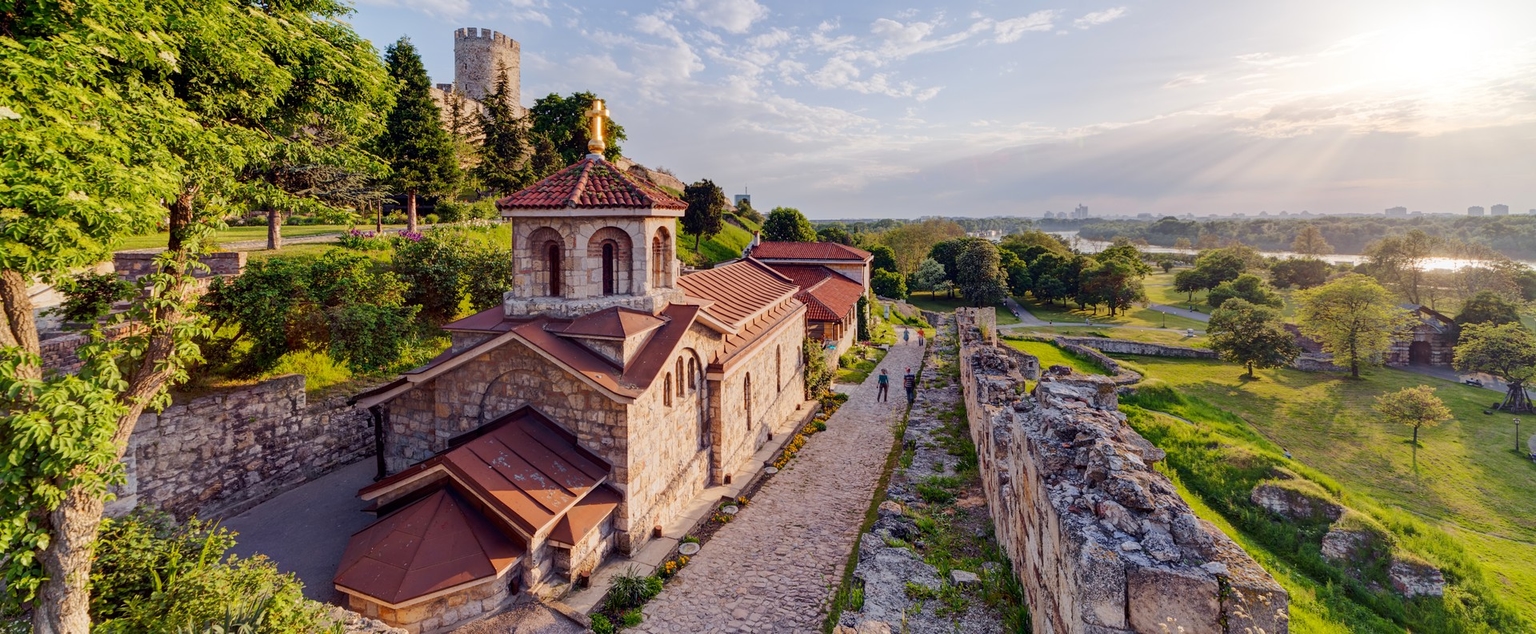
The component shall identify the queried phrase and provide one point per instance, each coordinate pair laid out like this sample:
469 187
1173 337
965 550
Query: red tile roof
809 251
591 183
585 516
431 545
827 294
520 466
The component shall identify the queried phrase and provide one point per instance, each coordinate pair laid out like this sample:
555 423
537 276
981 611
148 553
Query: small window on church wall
661 260
778 367
679 376
746 397
693 374
666 393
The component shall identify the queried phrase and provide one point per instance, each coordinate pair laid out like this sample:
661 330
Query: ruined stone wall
1124 346
61 352
218 454
132 265
1101 541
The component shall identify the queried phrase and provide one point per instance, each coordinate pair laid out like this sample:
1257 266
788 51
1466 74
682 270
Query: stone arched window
679 376
746 398
693 374
547 248
666 392
778 367
661 259
612 251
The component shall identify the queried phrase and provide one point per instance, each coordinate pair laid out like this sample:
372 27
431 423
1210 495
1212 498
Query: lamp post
1517 434
1165 318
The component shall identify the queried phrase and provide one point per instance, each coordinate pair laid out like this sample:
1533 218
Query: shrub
601 624
443 268
151 575
457 211
430 219
631 590
362 241
90 296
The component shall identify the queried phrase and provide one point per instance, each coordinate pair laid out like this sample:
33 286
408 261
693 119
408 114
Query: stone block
1172 600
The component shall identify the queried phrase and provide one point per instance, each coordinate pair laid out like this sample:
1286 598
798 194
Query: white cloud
530 11
1099 17
436 8
735 16
1185 79
1012 29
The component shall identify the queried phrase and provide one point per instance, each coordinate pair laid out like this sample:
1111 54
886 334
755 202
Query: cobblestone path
775 567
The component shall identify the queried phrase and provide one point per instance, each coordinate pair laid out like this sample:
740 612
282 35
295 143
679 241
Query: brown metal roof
612 323
739 291
520 465
431 545
809 251
585 516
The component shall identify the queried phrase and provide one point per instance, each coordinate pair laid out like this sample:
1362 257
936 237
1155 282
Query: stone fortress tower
478 56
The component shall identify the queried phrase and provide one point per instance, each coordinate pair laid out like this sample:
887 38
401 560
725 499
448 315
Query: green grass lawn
1159 287
726 245
865 364
1050 355
941 303
1469 479
241 234
1133 316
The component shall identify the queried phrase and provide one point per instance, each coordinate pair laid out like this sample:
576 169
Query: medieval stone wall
132 265
219 454
60 352
1101 541
479 58
1124 346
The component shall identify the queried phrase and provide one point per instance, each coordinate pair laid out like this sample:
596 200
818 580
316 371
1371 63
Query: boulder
963 578
1296 501
1416 578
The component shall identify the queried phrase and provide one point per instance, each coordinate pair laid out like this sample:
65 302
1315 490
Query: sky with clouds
981 108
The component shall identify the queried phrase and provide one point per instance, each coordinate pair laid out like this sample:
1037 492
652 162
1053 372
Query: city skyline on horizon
982 110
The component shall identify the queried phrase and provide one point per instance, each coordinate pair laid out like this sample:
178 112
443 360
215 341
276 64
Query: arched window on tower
778 367
693 374
666 392
661 260
552 265
679 376
610 268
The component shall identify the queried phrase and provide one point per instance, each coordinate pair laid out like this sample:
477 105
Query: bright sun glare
1434 52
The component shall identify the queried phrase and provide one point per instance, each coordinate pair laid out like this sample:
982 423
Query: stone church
576 419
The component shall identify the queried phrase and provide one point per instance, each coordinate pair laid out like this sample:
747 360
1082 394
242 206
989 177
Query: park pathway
1181 312
775 568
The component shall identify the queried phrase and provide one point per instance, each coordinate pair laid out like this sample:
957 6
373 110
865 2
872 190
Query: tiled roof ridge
764 266
581 183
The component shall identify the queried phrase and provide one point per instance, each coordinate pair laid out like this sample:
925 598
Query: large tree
1310 242
913 241
978 273
929 275
787 224
559 124
1247 287
1507 351
705 215
1488 307
1299 272
884 258
1253 335
419 150
1398 261
1353 317
116 115
1416 407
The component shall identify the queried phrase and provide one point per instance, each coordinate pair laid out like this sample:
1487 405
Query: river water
1437 263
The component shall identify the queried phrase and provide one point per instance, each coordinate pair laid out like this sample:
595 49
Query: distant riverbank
1437 263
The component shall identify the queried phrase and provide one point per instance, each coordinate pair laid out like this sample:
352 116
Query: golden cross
595 115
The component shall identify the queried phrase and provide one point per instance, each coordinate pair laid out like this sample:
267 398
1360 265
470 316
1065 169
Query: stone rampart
1101 541
219 454
1141 348
132 265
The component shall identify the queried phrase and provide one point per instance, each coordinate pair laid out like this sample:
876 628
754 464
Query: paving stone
798 531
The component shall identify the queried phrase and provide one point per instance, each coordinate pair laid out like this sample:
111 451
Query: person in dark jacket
885 386
910 382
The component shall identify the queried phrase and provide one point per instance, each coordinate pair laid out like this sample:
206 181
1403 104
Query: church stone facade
603 396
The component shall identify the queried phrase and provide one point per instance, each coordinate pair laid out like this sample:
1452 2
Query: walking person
884 384
906 335
910 382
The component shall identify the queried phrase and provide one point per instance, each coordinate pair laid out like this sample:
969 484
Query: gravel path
775 567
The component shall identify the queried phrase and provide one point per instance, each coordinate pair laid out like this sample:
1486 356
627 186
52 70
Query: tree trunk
19 322
378 225
274 230
1250 370
64 598
410 211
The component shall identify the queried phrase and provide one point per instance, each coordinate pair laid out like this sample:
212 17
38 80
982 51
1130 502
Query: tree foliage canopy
787 224
1354 319
705 215
1507 351
1248 287
1252 335
561 122
421 155
978 273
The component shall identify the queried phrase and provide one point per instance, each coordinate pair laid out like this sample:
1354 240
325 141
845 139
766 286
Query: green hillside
726 245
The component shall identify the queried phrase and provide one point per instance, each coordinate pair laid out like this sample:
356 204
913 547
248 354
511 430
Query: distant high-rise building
1050 215
1397 212
1499 210
1475 210
741 197
1080 212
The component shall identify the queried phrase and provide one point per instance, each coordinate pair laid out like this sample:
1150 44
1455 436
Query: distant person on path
920 338
910 382
906 335
885 386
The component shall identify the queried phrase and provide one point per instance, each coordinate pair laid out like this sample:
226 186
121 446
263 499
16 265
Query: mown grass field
1167 336
1067 313
1050 355
1470 481
942 303
242 234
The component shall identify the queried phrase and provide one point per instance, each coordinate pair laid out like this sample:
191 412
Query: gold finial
595 116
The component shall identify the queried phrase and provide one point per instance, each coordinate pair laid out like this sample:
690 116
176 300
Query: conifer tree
506 154
414 142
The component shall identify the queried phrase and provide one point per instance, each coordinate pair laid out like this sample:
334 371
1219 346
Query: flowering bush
361 241
671 567
408 235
